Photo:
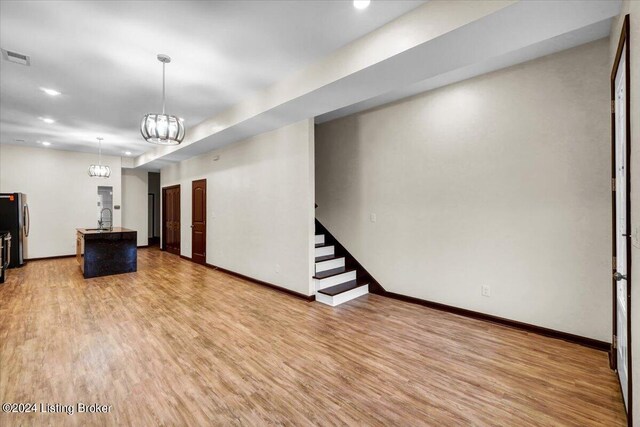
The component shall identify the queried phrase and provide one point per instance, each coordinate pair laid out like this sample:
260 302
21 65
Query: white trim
325 250
343 297
335 280
329 264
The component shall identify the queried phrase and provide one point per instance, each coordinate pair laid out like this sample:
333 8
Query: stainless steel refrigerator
14 218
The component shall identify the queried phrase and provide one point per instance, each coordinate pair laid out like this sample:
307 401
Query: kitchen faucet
101 221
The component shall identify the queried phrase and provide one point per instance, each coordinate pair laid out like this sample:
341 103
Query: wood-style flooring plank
181 344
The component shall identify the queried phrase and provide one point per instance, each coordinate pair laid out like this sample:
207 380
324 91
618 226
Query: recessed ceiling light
361 4
47 120
128 153
51 92
46 143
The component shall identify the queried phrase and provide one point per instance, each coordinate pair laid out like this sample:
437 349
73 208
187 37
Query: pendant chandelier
162 128
99 171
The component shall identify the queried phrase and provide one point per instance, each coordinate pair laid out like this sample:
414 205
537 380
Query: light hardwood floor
181 344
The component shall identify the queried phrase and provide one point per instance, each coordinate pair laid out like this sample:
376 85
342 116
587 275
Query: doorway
151 214
198 221
621 218
171 219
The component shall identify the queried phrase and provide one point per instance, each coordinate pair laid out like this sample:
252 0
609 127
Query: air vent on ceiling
16 57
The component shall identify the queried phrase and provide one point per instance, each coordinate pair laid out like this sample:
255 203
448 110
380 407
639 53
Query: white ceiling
436 44
102 56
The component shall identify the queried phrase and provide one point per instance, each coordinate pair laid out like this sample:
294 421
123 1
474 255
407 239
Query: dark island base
110 253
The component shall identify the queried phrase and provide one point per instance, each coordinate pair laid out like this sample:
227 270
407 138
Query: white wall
500 180
135 204
60 194
260 205
633 9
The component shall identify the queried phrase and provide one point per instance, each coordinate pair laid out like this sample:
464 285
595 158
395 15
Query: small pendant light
99 171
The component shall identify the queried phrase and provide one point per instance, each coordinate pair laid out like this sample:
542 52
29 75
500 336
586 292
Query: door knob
619 276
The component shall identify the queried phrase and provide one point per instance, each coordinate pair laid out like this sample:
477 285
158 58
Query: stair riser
334 280
326 250
329 265
343 297
319 239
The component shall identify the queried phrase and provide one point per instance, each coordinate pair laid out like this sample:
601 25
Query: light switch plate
372 217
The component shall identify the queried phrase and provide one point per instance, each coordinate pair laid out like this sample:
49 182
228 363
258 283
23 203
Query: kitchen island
106 252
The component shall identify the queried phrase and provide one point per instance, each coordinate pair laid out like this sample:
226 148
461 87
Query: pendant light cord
99 151
163 93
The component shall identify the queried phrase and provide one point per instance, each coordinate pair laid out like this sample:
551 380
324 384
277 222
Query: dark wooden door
171 219
198 221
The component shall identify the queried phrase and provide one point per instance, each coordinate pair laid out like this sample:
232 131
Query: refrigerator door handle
27 220
8 253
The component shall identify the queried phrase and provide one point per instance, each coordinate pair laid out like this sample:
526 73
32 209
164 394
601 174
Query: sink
97 229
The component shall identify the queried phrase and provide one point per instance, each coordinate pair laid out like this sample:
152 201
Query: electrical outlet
486 291
635 238
372 217
277 268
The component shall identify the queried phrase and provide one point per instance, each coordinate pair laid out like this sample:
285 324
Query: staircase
338 276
